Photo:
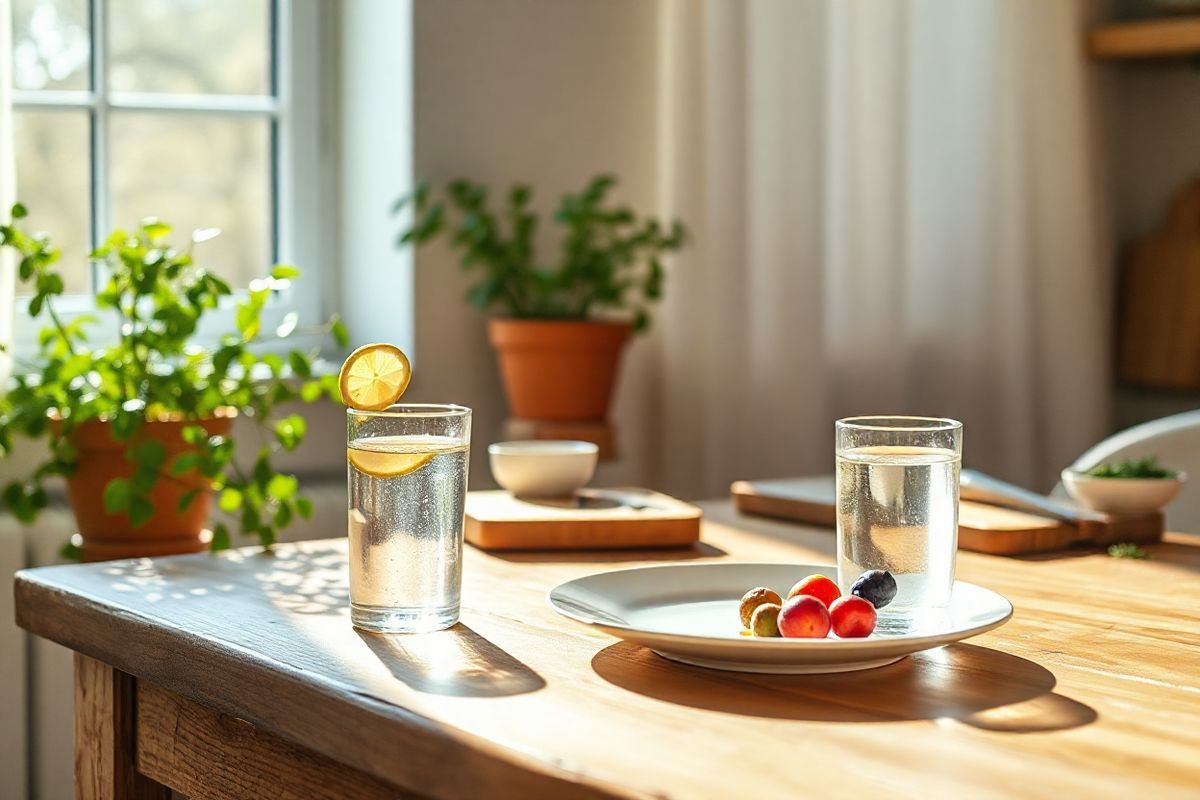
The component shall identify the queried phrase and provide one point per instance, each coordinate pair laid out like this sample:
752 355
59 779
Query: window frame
300 181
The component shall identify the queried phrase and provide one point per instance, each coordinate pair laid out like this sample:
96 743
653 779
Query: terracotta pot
558 369
168 531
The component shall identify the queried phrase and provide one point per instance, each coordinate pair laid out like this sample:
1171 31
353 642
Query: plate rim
929 640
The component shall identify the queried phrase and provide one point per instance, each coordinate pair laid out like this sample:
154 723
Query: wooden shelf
1170 37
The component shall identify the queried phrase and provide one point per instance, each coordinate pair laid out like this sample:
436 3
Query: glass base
383 619
912 621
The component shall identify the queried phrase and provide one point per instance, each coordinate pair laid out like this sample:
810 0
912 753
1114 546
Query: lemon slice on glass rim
374 377
387 465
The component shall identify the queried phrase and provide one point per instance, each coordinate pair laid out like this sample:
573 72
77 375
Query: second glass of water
897 510
407 473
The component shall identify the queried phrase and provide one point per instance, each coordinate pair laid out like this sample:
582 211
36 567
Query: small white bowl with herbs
1128 488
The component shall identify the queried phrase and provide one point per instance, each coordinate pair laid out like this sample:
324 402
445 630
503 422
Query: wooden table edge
146 649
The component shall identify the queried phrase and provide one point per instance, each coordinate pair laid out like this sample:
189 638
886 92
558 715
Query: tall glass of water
407 468
897 510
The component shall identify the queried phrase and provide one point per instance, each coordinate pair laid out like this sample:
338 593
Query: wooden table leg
104 736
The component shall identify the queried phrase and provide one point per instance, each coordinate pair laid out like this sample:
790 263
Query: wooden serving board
594 519
981 527
1159 331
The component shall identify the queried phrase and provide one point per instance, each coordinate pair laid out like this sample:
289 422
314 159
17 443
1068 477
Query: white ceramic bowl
543 467
1121 495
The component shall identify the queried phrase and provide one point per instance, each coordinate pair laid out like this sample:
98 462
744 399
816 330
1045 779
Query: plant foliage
157 295
610 258
1133 468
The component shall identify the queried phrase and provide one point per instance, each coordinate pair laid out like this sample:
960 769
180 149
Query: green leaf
230 500
185 463
290 431
143 481
186 499
140 511
70 551
333 387
262 468
283 487
125 424
284 272
304 507
194 434
283 515
519 195
149 454
311 391
220 537
155 228
19 211
274 362
341 334
118 495
50 283
247 320
250 519
299 364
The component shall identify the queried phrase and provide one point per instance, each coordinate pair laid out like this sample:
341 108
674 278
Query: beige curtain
7 183
894 211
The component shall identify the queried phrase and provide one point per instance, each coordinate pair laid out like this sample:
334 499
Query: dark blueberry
876 586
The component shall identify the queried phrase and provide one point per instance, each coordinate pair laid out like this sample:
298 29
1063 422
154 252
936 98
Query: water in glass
406 518
898 511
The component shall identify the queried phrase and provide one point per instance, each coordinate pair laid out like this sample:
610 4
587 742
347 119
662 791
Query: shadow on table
305 582
456 662
973 685
690 553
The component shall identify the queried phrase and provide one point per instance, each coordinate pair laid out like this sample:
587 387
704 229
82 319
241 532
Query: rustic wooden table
239 676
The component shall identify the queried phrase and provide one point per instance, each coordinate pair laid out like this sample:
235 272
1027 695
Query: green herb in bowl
1133 468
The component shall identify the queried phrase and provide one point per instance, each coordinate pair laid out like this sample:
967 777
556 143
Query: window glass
50 48
190 46
54 182
198 171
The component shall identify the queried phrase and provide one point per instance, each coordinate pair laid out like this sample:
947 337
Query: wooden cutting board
594 519
1159 315
982 528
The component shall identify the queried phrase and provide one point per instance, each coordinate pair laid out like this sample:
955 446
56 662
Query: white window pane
54 182
51 49
190 46
198 171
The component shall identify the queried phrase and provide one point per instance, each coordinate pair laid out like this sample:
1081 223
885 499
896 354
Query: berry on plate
852 617
804 617
876 586
817 586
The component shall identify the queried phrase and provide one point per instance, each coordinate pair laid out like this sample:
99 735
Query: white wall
548 92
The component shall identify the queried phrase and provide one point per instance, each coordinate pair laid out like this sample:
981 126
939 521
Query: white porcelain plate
689 613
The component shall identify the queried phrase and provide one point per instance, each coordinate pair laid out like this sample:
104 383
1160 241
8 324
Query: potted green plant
140 427
562 324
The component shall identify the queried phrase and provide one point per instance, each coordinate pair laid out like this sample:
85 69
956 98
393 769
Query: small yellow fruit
765 620
755 598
